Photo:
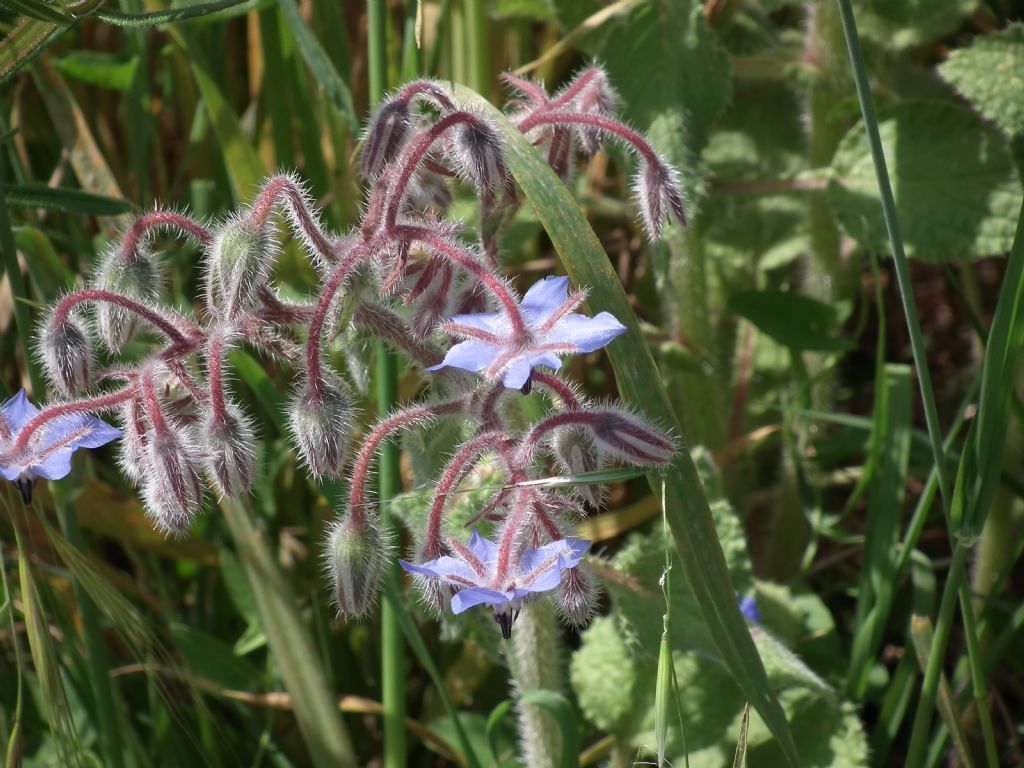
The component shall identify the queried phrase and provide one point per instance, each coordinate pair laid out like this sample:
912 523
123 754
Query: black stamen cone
24 486
505 622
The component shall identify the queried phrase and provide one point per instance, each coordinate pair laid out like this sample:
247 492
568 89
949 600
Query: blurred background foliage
774 319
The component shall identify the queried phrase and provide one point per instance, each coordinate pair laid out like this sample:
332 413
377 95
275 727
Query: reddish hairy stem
416 88
153 317
638 142
575 88
454 253
304 220
559 387
520 509
565 419
390 425
66 409
463 461
316 325
393 329
414 155
129 248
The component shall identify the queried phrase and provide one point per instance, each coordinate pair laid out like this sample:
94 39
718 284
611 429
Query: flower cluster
405 274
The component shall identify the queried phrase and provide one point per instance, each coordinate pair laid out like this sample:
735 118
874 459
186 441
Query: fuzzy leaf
990 74
792 319
902 23
962 207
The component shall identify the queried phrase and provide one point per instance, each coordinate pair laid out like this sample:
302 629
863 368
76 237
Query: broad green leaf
672 74
956 191
337 90
291 644
103 69
902 23
990 74
689 515
792 319
605 676
212 659
65 200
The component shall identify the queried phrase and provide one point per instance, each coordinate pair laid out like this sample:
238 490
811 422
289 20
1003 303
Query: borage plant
408 275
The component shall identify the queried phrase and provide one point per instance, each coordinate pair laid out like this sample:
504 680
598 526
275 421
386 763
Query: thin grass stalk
389 471
926 704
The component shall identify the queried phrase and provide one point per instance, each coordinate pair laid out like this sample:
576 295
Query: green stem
931 414
936 655
389 472
978 676
476 40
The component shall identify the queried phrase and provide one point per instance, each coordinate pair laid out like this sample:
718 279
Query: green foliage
959 208
903 23
792 319
988 74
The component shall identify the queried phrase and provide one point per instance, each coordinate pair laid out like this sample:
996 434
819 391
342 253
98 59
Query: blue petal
469 355
11 473
517 373
18 411
465 599
485 550
56 465
100 433
545 296
444 568
548 359
489 322
587 334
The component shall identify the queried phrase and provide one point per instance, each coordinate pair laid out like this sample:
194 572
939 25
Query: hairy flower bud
660 197
133 455
576 599
627 437
597 98
355 554
66 352
321 420
238 264
385 136
475 151
133 275
575 454
172 489
227 442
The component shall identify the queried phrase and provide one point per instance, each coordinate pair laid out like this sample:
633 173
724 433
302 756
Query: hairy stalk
535 664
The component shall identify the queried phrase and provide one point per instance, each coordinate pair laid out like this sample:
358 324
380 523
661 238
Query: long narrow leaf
65 200
688 512
294 653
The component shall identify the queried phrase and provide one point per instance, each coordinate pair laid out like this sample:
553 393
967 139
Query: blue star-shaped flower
552 328
474 572
49 449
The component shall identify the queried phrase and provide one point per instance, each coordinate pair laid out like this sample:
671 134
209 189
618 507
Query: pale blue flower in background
473 571
552 329
48 453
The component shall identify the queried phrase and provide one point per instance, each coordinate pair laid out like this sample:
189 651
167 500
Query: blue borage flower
749 609
475 572
552 329
48 452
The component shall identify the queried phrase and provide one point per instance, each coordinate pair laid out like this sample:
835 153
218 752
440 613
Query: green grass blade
23 43
688 512
243 165
65 200
171 15
336 89
291 644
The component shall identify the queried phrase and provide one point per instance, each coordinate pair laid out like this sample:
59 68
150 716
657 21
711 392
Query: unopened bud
133 455
228 441
355 555
475 151
576 600
660 197
67 354
133 275
172 489
239 260
560 153
627 437
321 421
385 137
597 98
575 454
